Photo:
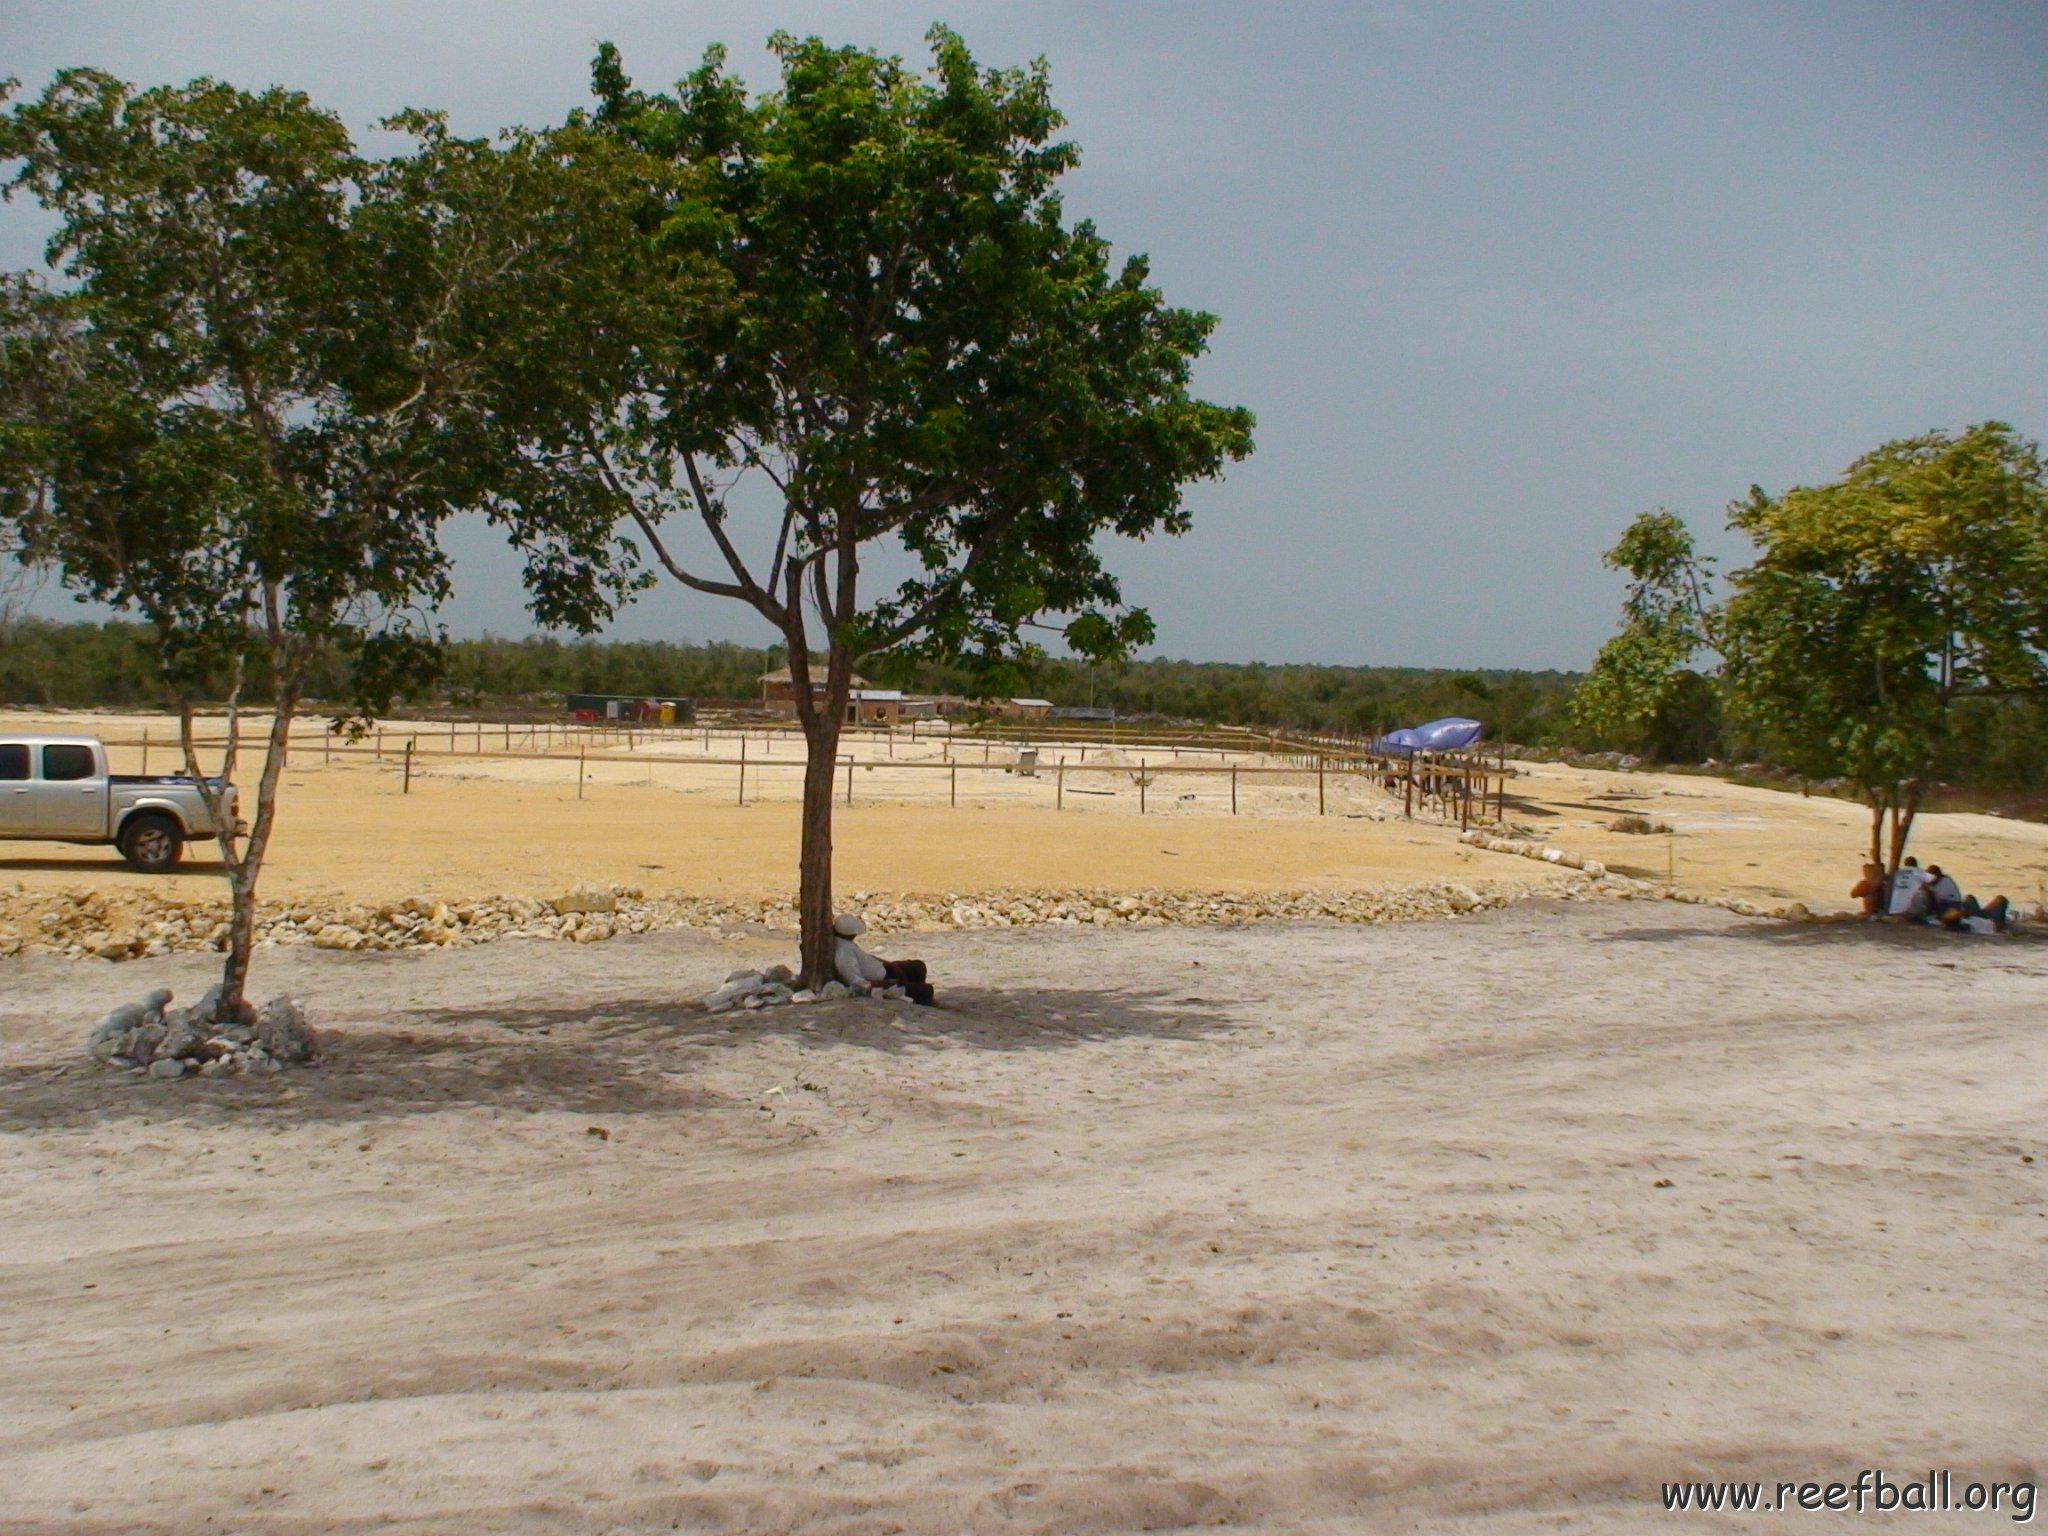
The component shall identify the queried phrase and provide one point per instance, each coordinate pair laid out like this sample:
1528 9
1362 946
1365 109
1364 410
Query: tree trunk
814 864
822 713
1902 826
243 875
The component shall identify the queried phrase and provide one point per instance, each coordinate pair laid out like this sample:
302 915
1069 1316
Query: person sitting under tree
1908 892
863 972
1958 913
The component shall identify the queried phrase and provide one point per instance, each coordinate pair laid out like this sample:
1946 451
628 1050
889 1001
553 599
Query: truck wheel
152 844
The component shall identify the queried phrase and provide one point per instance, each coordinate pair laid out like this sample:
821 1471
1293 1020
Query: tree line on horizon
1992 746
82 664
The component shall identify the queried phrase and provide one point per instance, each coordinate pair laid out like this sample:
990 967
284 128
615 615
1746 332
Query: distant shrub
1640 826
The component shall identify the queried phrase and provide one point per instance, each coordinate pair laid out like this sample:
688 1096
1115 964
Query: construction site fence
507 736
1460 787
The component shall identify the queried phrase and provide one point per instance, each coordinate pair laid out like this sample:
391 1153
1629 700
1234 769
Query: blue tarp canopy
1449 735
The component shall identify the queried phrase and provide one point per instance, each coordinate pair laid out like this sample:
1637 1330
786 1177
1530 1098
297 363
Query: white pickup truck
57 789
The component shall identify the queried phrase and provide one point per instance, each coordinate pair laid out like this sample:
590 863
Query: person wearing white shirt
1907 885
863 972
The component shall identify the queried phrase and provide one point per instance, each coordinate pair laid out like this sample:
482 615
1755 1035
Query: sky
1495 277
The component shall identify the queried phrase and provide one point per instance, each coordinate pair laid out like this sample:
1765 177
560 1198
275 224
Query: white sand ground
1486 1226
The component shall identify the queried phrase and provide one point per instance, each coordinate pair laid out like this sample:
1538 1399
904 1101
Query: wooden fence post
1059 786
953 770
580 751
743 767
849 778
1233 789
408 767
1142 777
1322 804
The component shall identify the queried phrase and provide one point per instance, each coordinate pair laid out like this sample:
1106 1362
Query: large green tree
269 370
890 344
1880 610
1880 602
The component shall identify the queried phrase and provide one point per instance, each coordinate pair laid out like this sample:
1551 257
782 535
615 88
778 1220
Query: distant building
949 704
778 688
1081 712
639 709
874 706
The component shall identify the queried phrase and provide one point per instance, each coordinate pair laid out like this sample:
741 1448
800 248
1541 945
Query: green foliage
864 291
908 341
1637 694
1528 707
1893 627
1878 602
77 665
273 369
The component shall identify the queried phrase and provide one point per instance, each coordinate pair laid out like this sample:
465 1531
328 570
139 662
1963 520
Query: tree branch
695 583
713 514
654 540
948 588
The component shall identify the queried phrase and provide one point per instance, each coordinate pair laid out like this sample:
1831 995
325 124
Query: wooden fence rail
1458 788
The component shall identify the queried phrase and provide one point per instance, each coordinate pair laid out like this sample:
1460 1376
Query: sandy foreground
1484 1225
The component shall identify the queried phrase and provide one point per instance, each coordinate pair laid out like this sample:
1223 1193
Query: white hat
847 926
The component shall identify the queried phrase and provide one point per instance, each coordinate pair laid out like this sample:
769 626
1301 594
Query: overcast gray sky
1495 276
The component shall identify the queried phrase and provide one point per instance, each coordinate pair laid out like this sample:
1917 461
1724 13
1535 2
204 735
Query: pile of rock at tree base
153 1037
777 985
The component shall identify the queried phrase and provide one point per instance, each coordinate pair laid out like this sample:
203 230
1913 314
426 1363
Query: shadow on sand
612 1056
87 866
2031 939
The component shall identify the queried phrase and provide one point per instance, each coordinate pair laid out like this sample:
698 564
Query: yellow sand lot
666 813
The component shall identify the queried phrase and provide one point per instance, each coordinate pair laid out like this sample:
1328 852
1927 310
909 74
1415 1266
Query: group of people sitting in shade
1930 895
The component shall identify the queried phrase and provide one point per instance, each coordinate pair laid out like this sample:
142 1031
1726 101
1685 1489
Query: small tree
915 352
265 387
1875 607
1641 676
